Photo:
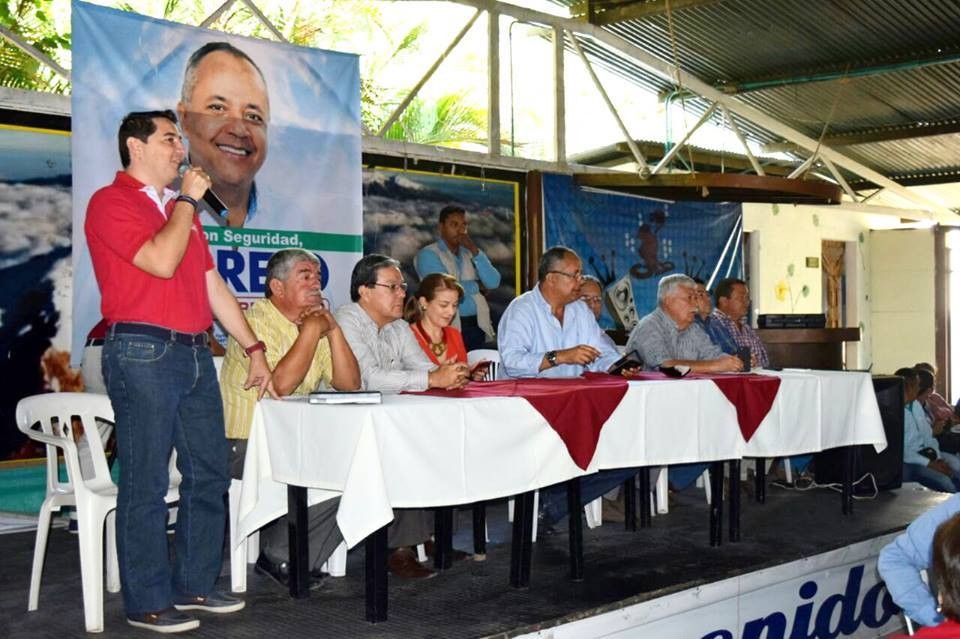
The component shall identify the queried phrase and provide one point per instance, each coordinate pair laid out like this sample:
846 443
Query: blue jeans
930 478
165 395
553 499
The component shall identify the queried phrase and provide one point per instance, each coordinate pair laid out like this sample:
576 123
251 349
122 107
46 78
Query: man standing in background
457 254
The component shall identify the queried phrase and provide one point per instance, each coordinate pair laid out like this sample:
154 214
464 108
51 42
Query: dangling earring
423 308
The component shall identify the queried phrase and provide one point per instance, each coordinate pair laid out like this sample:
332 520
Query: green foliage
447 120
450 120
31 21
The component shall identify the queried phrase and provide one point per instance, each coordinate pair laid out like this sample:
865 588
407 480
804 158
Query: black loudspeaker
886 467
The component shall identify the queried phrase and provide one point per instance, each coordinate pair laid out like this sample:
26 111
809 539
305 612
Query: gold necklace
437 348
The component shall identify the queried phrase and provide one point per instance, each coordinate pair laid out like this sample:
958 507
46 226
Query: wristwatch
552 358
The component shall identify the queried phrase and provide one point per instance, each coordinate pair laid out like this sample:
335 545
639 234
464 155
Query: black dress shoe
280 572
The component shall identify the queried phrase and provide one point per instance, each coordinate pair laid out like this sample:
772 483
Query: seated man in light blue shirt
902 560
457 254
923 462
550 332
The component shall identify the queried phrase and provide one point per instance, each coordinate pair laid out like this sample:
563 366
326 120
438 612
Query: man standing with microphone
159 293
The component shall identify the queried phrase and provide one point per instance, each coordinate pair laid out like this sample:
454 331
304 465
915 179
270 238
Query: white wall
783 236
902 296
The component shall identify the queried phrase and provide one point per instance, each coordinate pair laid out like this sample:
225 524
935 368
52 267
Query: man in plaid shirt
729 323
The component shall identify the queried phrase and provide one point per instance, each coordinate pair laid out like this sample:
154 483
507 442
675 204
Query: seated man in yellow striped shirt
305 348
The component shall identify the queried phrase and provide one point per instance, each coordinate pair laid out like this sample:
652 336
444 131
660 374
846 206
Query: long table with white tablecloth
419 451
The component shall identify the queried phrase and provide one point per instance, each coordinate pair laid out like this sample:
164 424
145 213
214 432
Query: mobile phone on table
744 355
628 361
482 365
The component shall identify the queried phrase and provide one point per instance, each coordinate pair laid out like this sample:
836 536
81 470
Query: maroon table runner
752 395
575 408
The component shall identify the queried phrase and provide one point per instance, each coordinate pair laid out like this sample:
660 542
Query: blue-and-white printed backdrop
622 235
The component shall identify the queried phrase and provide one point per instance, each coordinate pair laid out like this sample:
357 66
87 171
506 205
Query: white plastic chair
48 418
244 551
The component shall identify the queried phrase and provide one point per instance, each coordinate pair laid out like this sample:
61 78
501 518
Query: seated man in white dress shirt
391 360
550 332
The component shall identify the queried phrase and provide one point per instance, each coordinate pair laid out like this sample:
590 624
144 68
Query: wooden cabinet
807 347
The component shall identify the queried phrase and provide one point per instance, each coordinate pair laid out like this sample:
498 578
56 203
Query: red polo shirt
120 219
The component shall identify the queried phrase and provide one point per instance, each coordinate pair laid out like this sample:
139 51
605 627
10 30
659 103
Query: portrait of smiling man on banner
224 110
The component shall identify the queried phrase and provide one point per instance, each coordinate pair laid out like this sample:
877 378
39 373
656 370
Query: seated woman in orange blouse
430 312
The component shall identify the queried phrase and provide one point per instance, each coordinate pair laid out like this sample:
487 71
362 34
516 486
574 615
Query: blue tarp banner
624 238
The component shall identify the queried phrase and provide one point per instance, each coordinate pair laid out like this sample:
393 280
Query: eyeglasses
592 299
401 287
574 276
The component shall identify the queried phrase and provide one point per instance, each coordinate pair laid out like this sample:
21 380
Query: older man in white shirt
391 360
549 332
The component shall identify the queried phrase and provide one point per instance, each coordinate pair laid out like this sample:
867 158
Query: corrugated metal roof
736 41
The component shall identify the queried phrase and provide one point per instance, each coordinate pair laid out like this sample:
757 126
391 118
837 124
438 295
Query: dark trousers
165 395
323 533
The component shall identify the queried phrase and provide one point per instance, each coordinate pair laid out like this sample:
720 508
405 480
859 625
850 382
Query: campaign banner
834 594
276 126
629 243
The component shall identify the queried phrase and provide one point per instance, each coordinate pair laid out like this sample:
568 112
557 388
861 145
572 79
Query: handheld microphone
212 199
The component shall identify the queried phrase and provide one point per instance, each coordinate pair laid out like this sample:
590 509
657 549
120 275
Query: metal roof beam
908 62
426 76
613 12
746 149
642 167
840 179
670 73
213 17
676 148
894 132
33 52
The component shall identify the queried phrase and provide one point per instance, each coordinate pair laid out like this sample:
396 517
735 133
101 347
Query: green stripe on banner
276 240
